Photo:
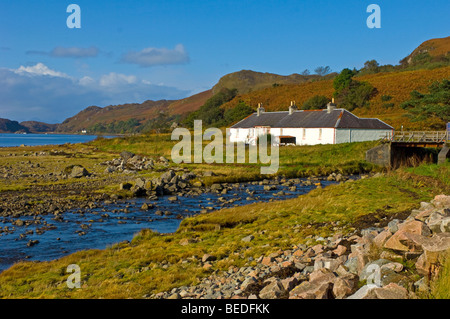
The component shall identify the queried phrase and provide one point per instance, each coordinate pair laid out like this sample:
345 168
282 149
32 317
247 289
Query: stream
101 227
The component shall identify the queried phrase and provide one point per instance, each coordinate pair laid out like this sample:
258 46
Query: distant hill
433 50
247 81
189 104
113 113
427 63
392 86
8 126
39 127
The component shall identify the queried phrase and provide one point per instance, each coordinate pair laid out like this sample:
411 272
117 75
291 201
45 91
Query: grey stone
78 172
248 238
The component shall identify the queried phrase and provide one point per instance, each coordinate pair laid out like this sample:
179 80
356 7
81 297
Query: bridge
411 147
421 138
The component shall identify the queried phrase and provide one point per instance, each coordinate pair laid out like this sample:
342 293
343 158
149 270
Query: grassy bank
294 161
154 262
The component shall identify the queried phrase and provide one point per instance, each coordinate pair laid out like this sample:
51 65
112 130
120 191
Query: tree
432 106
305 72
350 93
237 113
322 70
315 103
372 66
342 81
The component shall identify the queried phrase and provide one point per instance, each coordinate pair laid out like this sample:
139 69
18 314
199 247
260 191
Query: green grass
133 270
440 288
295 161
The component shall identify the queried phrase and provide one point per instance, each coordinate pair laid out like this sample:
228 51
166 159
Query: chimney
259 110
331 106
292 108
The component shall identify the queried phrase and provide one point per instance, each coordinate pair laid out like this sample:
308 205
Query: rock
382 237
312 290
32 243
435 251
146 206
340 250
125 155
187 241
216 187
267 261
248 238
274 290
377 264
208 173
441 201
207 266
344 286
445 225
247 282
163 160
207 257
329 263
289 283
18 222
197 184
322 275
139 182
125 186
391 291
172 198
174 296
78 171
421 285
400 242
167 176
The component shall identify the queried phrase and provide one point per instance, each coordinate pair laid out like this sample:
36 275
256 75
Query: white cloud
39 69
40 93
157 56
114 79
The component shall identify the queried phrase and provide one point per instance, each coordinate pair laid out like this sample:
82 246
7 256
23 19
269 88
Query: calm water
11 140
115 223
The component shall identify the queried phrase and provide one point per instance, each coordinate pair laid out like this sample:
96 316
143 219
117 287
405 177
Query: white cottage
305 127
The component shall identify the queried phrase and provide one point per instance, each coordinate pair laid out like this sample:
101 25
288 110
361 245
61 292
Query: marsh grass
136 269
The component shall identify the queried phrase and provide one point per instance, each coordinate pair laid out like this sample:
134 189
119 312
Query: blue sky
132 51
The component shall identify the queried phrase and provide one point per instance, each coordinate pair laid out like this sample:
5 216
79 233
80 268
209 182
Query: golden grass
134 270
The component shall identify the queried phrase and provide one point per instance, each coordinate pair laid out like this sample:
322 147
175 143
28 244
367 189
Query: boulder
78 171
125 155
248 238
274 290
207 257
312 290
125 186
399 241
344 286
435 249
391 291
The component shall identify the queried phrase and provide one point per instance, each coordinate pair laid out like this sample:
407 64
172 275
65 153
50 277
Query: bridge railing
421 137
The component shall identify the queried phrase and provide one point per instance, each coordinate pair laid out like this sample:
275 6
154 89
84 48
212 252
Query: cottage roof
337 118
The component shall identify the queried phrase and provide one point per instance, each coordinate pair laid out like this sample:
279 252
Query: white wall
360 135
307 136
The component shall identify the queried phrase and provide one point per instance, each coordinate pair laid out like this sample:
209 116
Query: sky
138 50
